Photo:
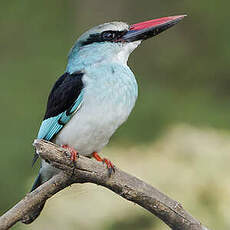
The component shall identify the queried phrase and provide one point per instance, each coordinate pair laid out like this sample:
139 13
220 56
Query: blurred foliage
183 74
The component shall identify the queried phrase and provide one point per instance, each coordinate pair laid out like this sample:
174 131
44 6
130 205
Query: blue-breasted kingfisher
96 93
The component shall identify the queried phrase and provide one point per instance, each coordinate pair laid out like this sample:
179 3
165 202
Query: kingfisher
97 91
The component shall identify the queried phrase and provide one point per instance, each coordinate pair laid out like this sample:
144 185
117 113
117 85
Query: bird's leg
109 164
74 155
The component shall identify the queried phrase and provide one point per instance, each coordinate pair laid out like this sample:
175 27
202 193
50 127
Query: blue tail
37 182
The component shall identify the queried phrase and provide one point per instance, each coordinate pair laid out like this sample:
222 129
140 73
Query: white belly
90 129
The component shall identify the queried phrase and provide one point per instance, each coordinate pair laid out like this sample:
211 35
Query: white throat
123 55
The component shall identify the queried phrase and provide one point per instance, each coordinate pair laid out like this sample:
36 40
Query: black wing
64 93
65 97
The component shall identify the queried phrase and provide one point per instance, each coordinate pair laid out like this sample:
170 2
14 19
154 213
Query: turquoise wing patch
50 127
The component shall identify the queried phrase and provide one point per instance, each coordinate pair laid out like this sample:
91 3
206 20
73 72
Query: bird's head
115 41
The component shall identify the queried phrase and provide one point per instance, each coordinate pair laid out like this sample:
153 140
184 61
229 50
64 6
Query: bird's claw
73 157
110 166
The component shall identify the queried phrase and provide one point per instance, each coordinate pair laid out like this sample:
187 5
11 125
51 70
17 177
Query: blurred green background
177 137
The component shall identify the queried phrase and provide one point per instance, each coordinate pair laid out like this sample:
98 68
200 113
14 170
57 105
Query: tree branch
88 170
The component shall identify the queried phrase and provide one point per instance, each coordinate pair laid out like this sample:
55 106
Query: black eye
108 35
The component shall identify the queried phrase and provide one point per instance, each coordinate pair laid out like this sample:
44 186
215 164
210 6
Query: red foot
109 164
73 152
